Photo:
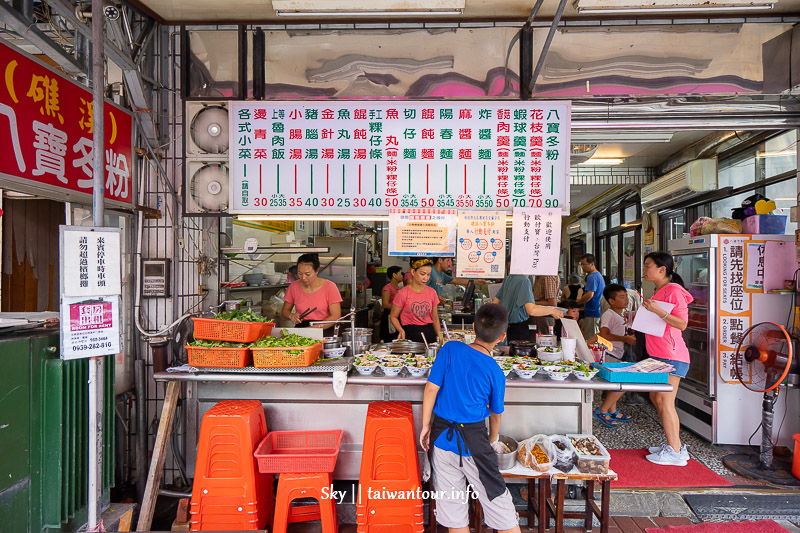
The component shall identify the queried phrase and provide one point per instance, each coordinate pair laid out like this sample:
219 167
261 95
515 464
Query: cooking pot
522 349
507 460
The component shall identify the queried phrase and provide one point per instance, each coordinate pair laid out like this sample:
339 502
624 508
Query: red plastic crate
212 329
298 451
286 356
220 357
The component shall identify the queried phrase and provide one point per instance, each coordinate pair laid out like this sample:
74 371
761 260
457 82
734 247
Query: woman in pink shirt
390 290
312 292
670 348
414 307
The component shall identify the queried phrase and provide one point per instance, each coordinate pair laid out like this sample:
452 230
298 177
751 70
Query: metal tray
321 366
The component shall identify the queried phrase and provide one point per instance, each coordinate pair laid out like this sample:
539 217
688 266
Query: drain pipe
141 429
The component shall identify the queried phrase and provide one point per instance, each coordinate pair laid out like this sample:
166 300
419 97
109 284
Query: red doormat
762 526
633 470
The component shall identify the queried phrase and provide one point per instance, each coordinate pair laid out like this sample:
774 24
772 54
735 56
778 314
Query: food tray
218 357
212 329
629 377
298 451
591 464
281 356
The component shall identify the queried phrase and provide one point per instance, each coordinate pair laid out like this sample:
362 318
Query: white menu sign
535 241
481 247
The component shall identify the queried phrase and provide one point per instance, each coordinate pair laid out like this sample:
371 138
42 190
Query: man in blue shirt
465 386
592 294
440 277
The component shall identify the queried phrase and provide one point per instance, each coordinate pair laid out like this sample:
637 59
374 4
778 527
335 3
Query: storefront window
784 194
779 154
630 213
722 208
614 219
602 225
212 74
629 259
613 261
737 171
603 255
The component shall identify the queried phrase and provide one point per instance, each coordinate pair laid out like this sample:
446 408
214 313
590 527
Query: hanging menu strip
368 157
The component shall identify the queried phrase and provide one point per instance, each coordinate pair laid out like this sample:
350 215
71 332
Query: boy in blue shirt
465 386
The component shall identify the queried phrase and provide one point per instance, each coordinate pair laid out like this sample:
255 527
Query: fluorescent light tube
322 14
687 9
600 137
599 161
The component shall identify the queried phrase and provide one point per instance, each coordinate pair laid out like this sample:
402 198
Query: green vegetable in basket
217 344
279 342
241 316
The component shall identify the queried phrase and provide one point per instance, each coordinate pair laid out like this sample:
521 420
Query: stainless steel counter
307 401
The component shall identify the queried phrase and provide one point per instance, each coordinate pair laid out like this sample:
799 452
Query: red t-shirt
392 290
322 298
416 308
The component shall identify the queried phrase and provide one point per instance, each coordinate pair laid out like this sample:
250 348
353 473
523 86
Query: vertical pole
96 363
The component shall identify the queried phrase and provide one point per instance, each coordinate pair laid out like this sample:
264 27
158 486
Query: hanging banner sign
535 241
481 246
369 157
46 133
91 261
735 313
422 232
754 266
90 328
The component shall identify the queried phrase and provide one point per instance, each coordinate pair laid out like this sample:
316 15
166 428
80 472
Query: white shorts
452 500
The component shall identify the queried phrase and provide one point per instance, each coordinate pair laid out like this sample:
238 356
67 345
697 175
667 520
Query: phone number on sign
92 346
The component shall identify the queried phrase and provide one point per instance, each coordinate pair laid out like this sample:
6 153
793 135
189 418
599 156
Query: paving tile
672 504
634 504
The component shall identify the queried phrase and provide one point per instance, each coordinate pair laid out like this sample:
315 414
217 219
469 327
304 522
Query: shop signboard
366 157
735 314
90 291
536 241
46 134
423 232
481 244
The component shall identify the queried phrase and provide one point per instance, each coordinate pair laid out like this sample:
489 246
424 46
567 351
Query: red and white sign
46 132
90 328
85 317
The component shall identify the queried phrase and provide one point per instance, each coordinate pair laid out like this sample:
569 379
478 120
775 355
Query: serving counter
308 402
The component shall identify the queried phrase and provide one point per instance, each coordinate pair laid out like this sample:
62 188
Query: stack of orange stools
229 493
389 463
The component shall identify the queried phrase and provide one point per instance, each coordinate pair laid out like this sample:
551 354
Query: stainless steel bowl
331 342
507 460
408 347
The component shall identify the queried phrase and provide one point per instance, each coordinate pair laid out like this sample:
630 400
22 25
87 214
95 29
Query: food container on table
391 370
407 347
564 459
522 348
557 373
417 371
507 460
592 461
583 376
525 372
365 367
331 342
334 353
545 354
526 455
432 350
358 335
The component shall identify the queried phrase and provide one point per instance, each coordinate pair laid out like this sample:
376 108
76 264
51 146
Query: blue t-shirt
514 293
596 283
439 280
471 383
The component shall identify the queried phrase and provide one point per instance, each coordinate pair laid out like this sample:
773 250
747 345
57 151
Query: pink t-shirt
671 345
416 308
322 298
392 290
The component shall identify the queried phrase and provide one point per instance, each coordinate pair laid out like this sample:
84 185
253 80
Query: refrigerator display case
709 401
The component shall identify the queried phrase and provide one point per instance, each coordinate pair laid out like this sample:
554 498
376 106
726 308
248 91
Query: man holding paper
669 305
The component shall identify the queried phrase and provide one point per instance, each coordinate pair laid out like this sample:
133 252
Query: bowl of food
391 369
418 369
365 367
584 372
334 353
508 458
549 353
506 367
557 373
526 371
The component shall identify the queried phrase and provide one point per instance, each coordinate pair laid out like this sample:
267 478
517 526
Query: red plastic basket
283 356
224 357
211 329
298 451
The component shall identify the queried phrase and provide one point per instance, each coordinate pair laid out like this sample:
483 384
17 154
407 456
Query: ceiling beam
28 30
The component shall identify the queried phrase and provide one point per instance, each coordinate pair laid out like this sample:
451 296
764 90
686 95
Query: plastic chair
309 485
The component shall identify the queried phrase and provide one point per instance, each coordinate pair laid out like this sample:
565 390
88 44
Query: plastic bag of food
709 226
536 453
565 456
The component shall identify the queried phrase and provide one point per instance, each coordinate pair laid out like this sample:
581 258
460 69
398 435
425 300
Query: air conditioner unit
696 176
581 226
205 184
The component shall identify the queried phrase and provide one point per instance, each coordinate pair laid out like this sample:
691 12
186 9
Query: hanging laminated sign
369 157
89 328
422 232
535 241
754 266
481 244
735 314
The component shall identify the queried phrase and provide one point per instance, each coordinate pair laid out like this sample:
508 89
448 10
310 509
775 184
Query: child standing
465 386
612 328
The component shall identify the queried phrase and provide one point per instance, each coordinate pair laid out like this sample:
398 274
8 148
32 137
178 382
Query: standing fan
764 358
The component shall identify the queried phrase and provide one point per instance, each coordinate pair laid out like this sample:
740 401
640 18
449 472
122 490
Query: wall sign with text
368 157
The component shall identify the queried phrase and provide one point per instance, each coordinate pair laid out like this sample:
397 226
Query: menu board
422 232
481 247
367 157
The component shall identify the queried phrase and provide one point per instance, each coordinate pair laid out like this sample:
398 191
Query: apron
327 332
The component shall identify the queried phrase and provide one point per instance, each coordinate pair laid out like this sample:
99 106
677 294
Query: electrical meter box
155 278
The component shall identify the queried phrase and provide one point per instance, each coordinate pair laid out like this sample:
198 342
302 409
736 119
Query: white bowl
416 371
557 373
273 278
365 370
582 375
381 353
391 371
525 374
549 356
334 353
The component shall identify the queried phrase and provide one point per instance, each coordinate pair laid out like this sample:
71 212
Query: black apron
327 332
476 441
518 332
414 333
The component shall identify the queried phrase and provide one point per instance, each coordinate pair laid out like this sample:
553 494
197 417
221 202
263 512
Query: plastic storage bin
212 329
765 224
298 451
629 377
218 357
590 463
286 356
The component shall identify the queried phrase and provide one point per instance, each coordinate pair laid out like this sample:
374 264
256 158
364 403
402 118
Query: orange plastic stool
796 456
228 492
293 486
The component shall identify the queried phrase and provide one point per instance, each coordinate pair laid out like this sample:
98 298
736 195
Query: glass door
694 269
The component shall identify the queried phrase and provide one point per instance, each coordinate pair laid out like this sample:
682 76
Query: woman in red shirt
414 308
390 290
310 292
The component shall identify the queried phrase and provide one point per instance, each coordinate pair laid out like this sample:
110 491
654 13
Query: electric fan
209 130
208 187
764 358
